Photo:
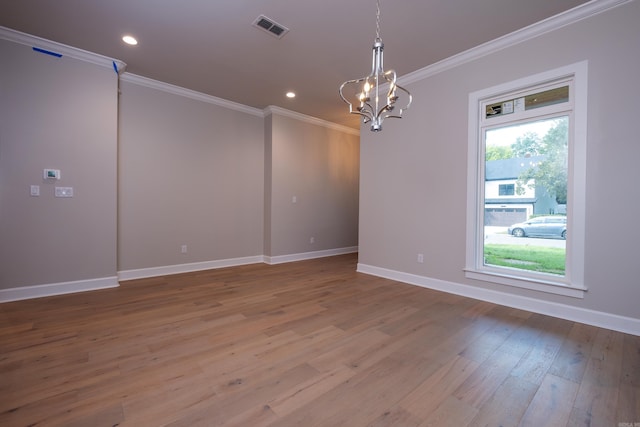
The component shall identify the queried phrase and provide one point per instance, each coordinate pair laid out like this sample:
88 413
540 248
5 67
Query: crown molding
188 93
571 16
61 49
272 109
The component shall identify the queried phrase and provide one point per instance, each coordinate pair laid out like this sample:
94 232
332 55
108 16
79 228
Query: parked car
541 226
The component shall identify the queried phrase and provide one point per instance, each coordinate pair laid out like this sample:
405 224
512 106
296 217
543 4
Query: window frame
572 284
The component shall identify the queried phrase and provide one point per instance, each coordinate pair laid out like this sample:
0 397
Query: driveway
499 235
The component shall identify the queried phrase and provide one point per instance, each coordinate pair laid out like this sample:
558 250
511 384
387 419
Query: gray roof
509 168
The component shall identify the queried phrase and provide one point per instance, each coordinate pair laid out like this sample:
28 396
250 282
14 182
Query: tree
527 145
498 152
551 173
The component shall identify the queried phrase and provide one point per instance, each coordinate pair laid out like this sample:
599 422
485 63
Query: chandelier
374 97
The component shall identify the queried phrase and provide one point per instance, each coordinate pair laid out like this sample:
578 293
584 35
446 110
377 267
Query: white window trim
573 283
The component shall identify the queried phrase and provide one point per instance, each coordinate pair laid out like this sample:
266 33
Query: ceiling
212 47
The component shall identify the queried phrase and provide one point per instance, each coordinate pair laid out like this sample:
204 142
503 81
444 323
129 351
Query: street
499 235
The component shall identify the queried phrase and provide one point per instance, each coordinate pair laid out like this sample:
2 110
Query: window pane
548 97
525 196
535 100
506 189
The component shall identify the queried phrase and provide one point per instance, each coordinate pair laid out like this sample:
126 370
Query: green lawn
535 258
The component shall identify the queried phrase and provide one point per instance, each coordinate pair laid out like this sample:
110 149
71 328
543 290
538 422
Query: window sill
550 287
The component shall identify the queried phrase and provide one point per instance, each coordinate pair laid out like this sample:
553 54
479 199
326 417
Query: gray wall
190 173
413 174
58 113
196 174
152 170
319 166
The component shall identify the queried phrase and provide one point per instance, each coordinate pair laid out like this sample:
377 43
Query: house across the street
503 205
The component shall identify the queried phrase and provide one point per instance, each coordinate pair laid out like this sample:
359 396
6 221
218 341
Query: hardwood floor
310 343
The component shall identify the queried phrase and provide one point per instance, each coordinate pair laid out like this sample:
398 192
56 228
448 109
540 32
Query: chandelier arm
342 87
403 109
355 81
366 113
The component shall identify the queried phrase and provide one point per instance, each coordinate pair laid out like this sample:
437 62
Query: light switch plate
64 191
35 190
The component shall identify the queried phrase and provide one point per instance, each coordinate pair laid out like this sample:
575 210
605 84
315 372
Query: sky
508 134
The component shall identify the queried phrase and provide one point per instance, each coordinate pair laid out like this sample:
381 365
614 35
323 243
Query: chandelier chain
378 20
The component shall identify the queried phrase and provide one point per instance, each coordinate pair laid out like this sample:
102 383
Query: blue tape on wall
47 52
115 67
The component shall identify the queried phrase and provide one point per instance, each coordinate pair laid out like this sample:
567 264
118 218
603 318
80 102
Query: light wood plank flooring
309 343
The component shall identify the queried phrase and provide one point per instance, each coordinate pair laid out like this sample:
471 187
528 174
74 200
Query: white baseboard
280 259
187 268
600 319
51 289
37 291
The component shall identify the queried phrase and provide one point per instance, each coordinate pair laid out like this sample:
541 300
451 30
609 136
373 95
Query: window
525 216
506 189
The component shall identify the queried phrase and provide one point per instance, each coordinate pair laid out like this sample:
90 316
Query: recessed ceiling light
130 40
291 94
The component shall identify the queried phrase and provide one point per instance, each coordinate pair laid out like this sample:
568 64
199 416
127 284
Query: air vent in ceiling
269 25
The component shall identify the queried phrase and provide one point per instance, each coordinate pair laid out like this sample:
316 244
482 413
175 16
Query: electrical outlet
420 258
312 240
64 191
183 249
